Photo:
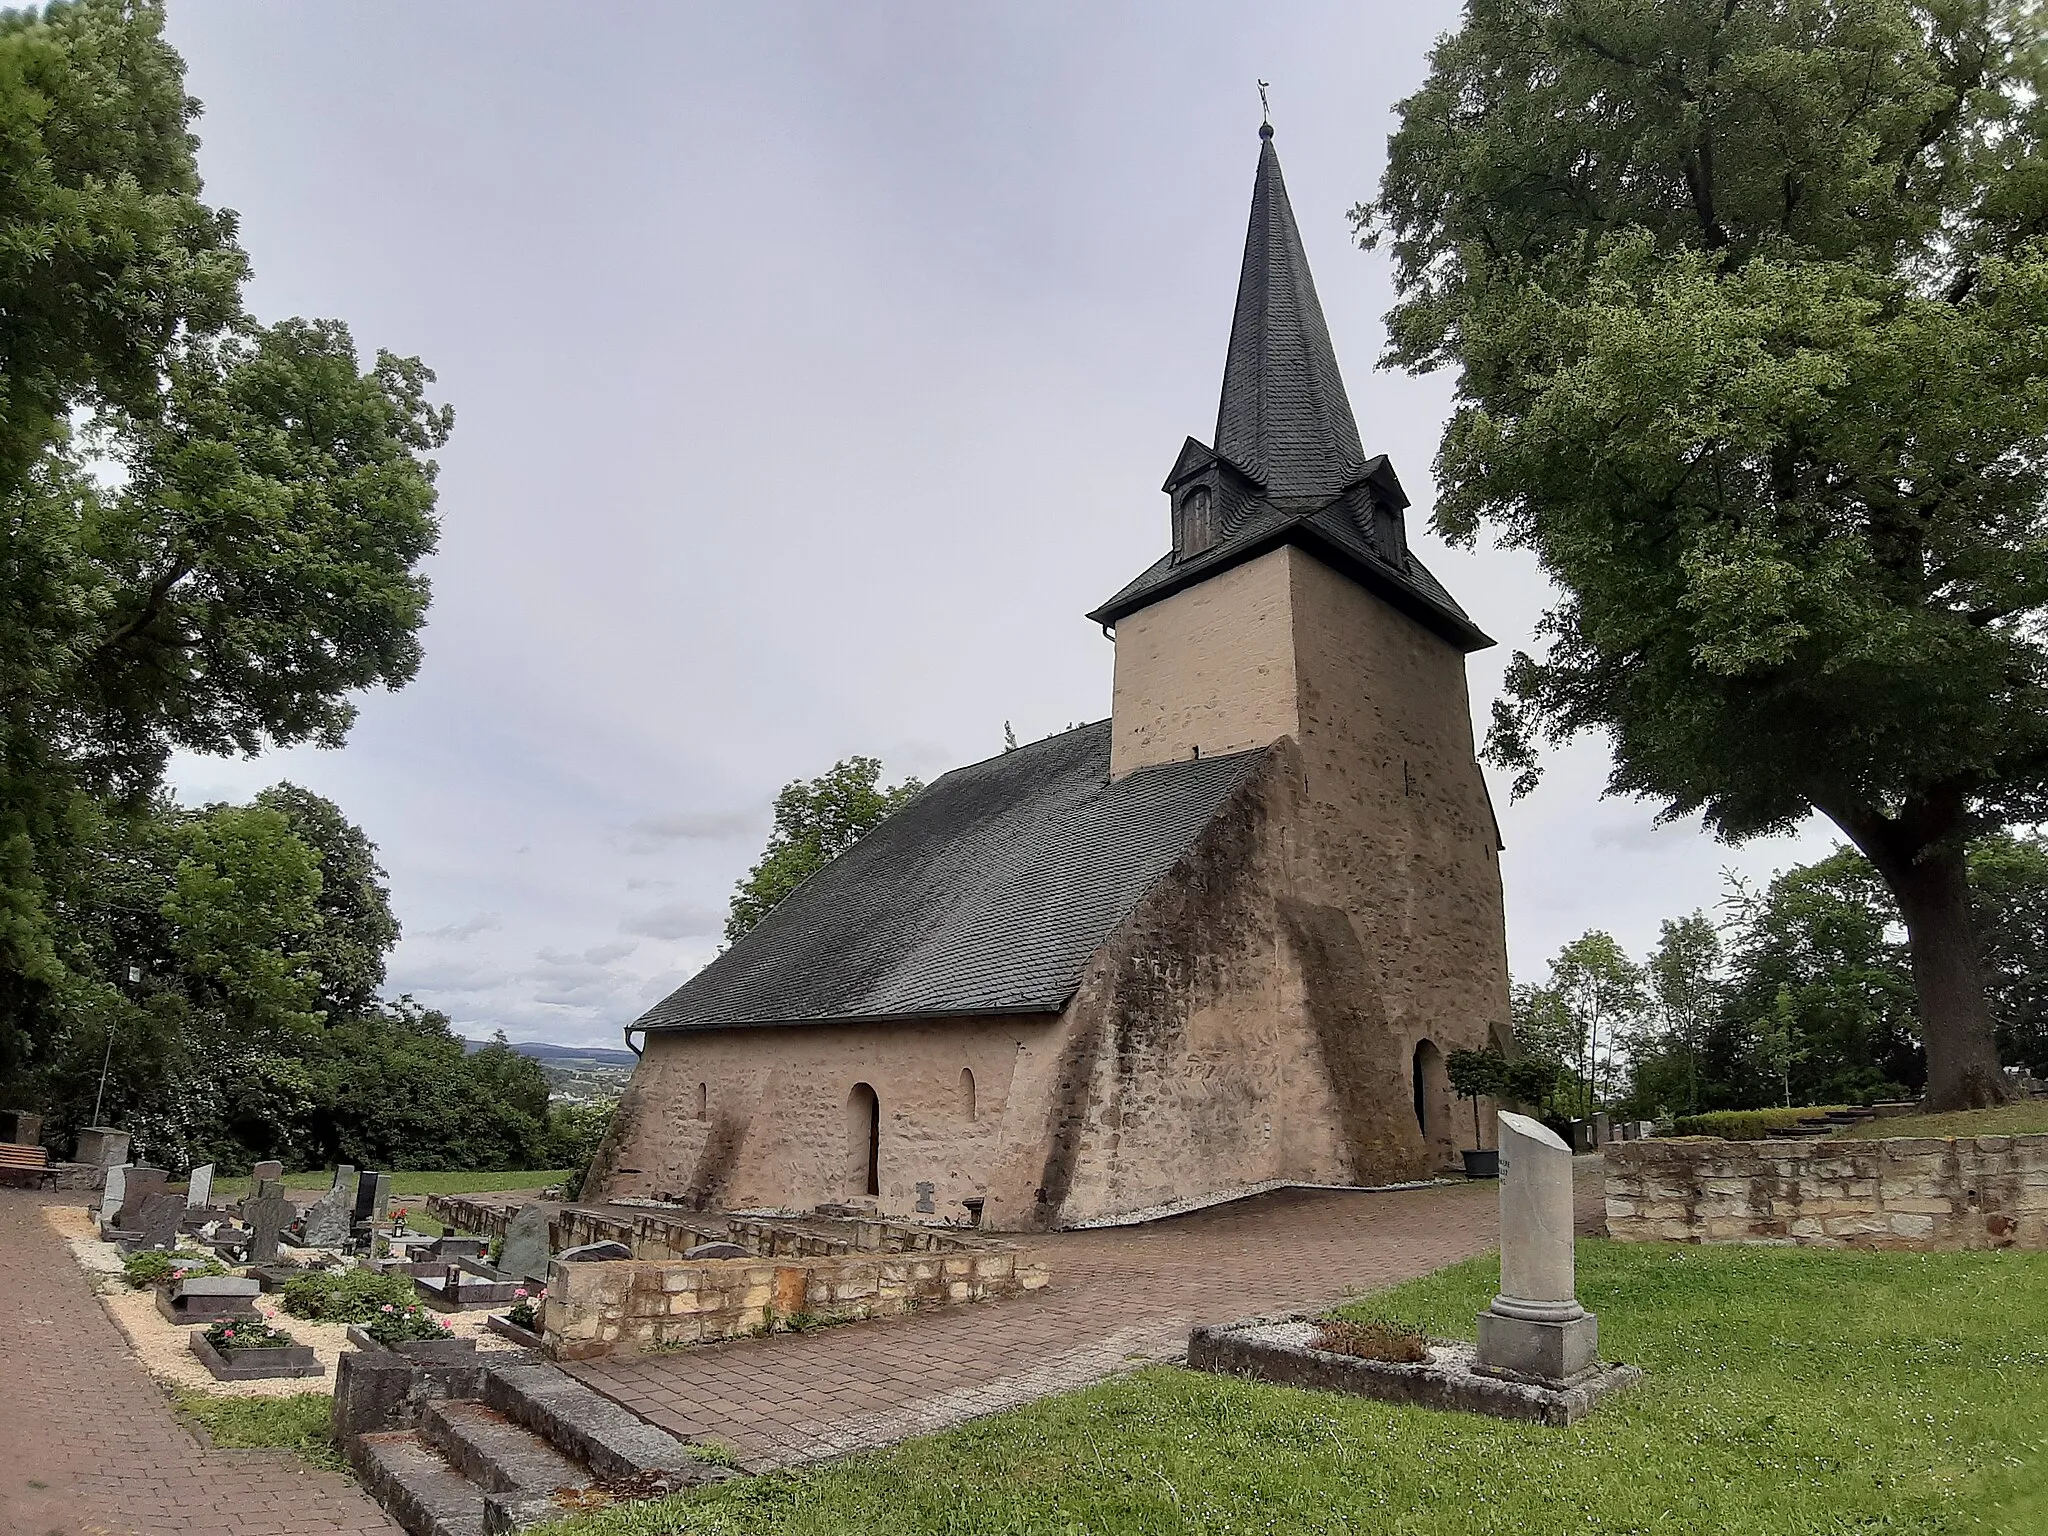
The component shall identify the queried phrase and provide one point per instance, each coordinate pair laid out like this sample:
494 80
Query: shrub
393 1324
1370 1340
143 1270
232 1333
1745 1124
345 1295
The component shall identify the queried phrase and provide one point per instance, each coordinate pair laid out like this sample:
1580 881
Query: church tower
1291 606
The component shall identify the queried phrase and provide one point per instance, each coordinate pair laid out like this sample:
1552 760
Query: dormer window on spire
1195 521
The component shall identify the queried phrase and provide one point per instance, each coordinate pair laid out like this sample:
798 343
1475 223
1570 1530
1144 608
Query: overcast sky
815 370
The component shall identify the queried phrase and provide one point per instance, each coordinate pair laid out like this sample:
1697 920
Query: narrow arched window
864 1140
967 1093
1197 520
703 1101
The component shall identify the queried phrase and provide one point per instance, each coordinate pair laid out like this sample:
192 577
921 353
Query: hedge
1747 1124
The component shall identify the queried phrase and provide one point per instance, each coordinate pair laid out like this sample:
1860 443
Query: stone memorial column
1536 1327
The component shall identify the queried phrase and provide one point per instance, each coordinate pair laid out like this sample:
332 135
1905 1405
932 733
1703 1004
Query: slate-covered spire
1284 417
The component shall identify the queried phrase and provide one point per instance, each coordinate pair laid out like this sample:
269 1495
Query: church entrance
864 1141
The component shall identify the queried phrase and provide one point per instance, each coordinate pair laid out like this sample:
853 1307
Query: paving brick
89 1445
1118 1298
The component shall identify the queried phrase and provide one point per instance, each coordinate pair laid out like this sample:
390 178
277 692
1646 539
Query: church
1217 943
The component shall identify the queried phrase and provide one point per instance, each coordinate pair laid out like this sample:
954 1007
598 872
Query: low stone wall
1904 1192
668 1234
594 1309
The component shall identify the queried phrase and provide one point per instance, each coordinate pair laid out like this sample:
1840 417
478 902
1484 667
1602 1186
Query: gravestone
924 1198
155 1223
20 1127
143 1181
525 1254
266 1218
1603 1129
101 1146
718 1251
458 1248
114 1191
199 1189
327 1219
1536 1327
373 1197
267 1170
209 1298
595 1253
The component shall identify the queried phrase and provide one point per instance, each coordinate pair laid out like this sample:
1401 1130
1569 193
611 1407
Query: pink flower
520 1293
388 1307
227 1333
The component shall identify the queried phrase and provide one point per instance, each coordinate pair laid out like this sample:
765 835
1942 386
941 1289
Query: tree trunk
1920 854
1955 1019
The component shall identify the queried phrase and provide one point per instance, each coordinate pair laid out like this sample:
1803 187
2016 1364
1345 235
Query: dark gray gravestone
266 1220
459 1248
718 1251
595 1253
373 1194
142 1182
156 1220
525 1254
208 1298
327 1220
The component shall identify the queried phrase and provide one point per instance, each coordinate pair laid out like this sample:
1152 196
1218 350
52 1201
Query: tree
2009 890
209 527
1474 1075
1750 310
356 928
815 822
1595 996
1686 995
1822 985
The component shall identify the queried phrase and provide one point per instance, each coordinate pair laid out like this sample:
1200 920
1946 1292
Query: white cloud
657 834
676 920
468 928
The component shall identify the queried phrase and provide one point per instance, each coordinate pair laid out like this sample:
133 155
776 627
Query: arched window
967 1092
1428 1069
703 1101
864 1140
1197 520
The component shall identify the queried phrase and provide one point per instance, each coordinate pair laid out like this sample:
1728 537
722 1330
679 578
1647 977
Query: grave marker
266 1219
112 1193
525 1254
199 1191
1536 1327
327 1219
155 1223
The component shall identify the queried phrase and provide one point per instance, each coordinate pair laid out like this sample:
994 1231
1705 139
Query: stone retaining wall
669 1234
594 1309
1905 1192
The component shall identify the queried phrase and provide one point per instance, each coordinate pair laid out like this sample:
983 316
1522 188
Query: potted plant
1475 1075
522 1320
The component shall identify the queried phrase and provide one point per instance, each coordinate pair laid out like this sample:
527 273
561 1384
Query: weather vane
1265 107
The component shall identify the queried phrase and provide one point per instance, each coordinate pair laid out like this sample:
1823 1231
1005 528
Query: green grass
299 1423
2027 1118
1790 1393
410 1188
1748 1124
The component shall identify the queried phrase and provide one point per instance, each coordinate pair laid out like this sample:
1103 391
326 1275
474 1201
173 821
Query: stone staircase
498 1443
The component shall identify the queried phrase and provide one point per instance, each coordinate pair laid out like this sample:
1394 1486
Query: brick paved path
1117 1298
88 1443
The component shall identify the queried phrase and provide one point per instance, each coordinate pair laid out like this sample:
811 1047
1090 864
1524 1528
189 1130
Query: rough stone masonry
1916 1193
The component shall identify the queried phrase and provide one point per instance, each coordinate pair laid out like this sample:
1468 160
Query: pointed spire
1284 417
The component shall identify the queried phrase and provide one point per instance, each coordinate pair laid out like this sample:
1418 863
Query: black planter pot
1482 1162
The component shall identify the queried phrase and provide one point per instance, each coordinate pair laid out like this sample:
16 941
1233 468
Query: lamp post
107 1061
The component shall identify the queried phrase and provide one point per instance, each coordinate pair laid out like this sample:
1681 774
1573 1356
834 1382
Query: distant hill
565 1055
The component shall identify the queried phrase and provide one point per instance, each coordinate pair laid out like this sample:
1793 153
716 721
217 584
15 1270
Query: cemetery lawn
1789 1391
2029 1117
299 1423
409 1186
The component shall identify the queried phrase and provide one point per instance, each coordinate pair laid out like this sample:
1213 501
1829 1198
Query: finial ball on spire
1265 130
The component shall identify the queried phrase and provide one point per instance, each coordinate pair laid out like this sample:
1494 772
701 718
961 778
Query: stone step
587 1427
494 1453
422 1492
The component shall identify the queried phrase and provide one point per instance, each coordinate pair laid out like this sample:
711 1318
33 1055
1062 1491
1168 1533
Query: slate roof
1284 418
1291 469
987 893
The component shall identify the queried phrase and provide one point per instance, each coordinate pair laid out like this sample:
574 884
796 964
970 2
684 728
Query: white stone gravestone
115 1189
199 1191
1536 1327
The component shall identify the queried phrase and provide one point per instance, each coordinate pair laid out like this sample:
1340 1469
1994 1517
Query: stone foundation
1908 1193
594 1309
